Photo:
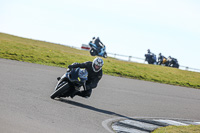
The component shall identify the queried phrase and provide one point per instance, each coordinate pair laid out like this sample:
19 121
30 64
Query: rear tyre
92 52
62 89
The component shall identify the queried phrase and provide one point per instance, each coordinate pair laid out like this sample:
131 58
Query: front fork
84 86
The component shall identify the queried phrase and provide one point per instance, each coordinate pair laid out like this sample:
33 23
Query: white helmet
97 64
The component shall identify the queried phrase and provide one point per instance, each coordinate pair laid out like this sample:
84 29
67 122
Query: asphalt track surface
26 107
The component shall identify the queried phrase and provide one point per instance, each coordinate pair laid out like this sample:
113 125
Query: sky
126 27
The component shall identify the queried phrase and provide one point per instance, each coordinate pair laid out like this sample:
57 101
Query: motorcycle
162 61
94 50
70 83
150 58
173 63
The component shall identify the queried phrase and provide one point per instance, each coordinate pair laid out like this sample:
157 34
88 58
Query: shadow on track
109 112
91 108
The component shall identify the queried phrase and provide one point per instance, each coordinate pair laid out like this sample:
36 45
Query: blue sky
127 27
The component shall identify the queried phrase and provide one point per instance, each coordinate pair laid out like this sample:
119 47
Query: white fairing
64 75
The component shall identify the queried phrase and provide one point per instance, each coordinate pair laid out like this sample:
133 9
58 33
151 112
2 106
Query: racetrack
25 105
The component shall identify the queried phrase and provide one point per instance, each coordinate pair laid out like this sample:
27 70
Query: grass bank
179 129
40 52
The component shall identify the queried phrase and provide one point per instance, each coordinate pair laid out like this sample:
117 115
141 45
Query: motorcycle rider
172 62
161 59
95 73
150 57
92 41
148 51
98 43
169 59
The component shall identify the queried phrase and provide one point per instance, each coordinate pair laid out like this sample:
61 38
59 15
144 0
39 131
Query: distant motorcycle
162 61
94 50
70 83
172 62
150 58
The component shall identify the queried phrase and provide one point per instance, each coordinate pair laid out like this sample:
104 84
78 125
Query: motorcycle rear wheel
60 90
93 52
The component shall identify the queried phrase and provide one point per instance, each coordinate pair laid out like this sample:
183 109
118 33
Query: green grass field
179 129
40 52
34 51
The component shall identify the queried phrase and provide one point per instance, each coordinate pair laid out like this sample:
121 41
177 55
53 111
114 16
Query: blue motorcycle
99 52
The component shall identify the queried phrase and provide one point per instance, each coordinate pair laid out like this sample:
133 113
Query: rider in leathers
98 43
94 75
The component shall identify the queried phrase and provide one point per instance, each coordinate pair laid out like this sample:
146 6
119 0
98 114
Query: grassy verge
179 129
34 51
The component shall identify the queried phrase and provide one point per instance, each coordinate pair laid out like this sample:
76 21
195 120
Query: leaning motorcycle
150 58
70 83
94 50
173 63
162 61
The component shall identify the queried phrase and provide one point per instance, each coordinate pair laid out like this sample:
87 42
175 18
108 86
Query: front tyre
62 89
105 55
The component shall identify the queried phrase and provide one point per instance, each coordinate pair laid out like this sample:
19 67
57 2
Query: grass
179 129
40 52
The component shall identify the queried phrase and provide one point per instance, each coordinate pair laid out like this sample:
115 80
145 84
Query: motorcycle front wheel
105 55
62 89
